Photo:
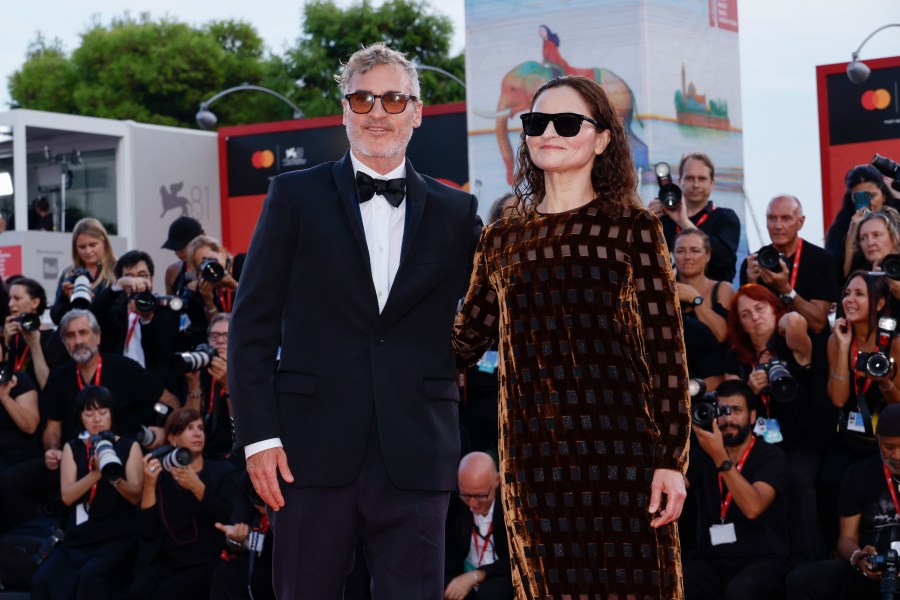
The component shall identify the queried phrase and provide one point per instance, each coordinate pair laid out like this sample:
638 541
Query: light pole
206 119
421 67
857 70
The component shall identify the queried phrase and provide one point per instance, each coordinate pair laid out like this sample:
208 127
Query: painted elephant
519 85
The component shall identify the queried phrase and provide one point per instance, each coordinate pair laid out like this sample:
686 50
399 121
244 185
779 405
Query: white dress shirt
486 555
383 225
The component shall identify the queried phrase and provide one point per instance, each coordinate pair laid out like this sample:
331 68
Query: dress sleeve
663 338
476 324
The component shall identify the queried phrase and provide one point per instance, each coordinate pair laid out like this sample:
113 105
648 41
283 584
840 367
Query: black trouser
803 523
735 579
842 452
230 579
830 580
159 580
23 489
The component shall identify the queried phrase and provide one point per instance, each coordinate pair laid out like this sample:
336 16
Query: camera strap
726 500
701 220
90 467
892 488
796 266
861 403
19 361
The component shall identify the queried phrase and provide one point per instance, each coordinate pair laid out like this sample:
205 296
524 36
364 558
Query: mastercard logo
262 159
876 99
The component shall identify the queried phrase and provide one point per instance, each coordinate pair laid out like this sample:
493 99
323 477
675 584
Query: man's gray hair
365 59
74 314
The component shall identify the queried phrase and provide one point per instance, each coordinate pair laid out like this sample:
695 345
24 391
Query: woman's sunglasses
565 124
392 102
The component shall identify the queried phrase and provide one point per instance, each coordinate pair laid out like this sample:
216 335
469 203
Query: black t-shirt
864 492
52 345
15 443
724 230
816 275
134 392
765 536
217 421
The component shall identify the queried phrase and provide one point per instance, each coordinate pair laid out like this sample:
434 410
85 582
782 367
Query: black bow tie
394 190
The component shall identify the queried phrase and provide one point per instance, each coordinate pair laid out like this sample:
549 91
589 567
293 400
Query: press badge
488 362
855 423
722 534
81 514
769 429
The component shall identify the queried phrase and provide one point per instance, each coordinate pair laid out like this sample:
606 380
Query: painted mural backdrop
670 68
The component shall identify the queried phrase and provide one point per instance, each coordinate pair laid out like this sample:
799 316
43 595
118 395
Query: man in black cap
181 232
869 523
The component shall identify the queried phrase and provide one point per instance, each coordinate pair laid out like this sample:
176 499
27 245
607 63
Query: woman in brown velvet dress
578 290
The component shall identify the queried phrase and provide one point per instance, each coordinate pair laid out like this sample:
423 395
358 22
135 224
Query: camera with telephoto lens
185 362
81 280
142 434
888 168
147 302
669 193
880 362
781 383
172 458
768 258
886 564
890 266
29 321
6 372
102 447
705 406
211 270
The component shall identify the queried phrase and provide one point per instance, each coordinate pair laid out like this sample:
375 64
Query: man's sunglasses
392 102
565 124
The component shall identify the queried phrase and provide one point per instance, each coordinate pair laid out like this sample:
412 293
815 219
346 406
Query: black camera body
186 362
211 270
768 258
705 406
669 193
29 322
890 266
886 564
81 280
142 434
879 363
781 383
102 447
7 370
888 168
147 302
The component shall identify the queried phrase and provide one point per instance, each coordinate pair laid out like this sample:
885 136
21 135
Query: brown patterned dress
593 397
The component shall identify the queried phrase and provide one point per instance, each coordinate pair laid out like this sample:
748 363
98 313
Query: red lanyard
891 486
727 501
212 397
96 374
87 446
226 299
854 352
20 361
131 328
701 220
487 538
796 266
763 397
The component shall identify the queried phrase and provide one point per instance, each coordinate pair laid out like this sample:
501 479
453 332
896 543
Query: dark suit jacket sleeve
255 329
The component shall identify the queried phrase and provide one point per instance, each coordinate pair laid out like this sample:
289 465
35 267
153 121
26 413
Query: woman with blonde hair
213 269
92 253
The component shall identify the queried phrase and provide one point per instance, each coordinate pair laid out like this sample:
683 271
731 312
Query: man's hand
459 587
864 565
671 483
264 468
779 281
52 457
133 285
712 442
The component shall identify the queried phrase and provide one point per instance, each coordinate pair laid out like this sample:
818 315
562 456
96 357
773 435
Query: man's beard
736 439
82 353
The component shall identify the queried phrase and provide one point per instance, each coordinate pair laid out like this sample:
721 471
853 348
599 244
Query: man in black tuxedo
477 556
358 279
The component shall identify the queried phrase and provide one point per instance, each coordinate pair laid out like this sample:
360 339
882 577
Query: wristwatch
789 297
725 466
697 301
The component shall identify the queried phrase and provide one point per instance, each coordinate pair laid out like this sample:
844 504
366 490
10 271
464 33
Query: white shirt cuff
256 447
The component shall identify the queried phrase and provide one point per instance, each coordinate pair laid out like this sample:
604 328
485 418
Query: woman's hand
187 478
686 293
758 380
52 458
842 333
67 287
11 328
218 368
152 469
237 532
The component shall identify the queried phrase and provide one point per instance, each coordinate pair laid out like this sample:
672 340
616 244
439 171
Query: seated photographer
476 557
19 420
248 559
180 505
135 322
101 479
862 380
743 550
215 280
207 391
869 526
865 191
33 350
93 264
140 400
772 353
803 275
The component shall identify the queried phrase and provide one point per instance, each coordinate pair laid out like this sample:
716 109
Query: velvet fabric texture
593 397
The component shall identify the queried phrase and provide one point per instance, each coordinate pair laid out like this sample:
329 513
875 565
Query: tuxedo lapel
345 182
416 191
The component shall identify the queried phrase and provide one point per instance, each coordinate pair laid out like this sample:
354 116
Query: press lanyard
727 502
762 396
854 352
701 220
796 266
20 361
487 538
891 486
96 374
224 304
212 397
87 447
131 328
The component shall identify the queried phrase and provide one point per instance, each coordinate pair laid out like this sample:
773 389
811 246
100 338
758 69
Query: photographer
213 269
101 479
743 551
800 273
767 341
179 542
865 191
878 236
31 349
869 523
208 391
19 418
853 387
91 253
